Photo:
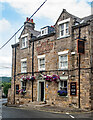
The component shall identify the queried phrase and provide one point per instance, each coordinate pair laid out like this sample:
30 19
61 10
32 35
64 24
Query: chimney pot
31 20
27 19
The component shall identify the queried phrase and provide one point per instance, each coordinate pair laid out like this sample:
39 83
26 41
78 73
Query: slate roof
87 18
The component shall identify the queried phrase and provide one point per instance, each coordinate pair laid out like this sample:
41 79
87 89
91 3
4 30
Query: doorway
41 91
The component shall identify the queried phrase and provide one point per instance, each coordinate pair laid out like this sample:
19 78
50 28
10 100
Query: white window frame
23 67
23 86
24 43
63 87
24 37
63 53
64 22
44 30
40 58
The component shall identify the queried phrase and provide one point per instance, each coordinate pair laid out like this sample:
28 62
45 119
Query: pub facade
55 64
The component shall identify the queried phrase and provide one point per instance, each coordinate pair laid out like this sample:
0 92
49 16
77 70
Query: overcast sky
13 14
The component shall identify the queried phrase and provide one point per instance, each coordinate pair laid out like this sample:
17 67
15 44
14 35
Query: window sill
23 72
23 48
62 37
42 70
63 96
63 69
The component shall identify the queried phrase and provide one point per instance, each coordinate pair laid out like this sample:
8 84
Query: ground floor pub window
17 88
23 85
63 87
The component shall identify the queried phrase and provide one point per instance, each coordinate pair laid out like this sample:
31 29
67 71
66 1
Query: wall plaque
73 88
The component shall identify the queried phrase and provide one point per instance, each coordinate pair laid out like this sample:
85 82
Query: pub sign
73 88
80 46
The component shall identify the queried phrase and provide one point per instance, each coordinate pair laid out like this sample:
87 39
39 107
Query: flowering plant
25 78
22 91
50 78
62 92
55 78
32 78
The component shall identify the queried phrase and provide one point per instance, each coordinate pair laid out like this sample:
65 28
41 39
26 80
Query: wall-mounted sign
73 88
47 86
80 46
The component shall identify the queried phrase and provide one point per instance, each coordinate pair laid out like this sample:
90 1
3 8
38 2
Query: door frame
38 90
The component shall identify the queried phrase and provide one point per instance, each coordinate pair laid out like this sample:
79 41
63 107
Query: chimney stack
29 24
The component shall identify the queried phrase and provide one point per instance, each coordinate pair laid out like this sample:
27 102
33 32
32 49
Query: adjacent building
55 63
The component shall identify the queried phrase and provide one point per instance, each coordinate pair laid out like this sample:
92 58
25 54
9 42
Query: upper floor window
64 28
63 60
23 65
41 62
64 31
24 42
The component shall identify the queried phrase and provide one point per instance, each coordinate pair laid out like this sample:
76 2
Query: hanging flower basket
32 78
55 78
49 78
24 78
27 78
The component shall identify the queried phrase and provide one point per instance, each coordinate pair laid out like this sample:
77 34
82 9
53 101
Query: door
41 90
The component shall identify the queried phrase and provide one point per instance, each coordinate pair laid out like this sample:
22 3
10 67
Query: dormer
64 23
64 27
47 30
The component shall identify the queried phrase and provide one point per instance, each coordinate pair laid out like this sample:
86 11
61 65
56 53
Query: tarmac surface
42 110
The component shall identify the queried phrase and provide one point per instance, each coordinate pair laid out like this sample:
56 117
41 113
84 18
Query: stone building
55 63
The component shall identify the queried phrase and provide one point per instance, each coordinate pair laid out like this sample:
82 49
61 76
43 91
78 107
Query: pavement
50 108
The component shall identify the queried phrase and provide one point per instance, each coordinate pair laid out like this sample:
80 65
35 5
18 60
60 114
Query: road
10 112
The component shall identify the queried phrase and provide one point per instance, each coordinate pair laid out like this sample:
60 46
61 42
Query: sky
13 14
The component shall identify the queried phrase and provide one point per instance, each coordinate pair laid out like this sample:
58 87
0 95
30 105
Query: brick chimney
29 24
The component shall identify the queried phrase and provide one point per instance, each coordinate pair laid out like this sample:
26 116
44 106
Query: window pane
62 32
66 28
24 85
23 42
42 63
66 25
63 61
62 27
65 83
24 66
61 84
17 88
26 42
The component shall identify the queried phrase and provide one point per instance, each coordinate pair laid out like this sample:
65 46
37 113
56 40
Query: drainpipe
14 73
32 63
33 37
79 72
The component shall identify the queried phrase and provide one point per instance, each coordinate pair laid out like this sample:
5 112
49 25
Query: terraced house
45 62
